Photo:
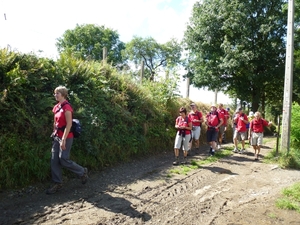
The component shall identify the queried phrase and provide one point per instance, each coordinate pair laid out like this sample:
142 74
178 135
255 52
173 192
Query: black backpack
76 126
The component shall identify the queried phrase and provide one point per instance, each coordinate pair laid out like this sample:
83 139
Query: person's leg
213 143
65 161
185 149
243 136
177 146
243 144
255 149
235 140
55 165
258 151
197 137
224 135
259 143
220 136
55 168
233 132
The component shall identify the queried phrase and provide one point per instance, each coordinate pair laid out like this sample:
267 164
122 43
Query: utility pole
216 96
288 80
104 54
187 87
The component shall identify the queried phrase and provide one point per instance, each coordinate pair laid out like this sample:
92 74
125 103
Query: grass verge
289 160
196 164
290 199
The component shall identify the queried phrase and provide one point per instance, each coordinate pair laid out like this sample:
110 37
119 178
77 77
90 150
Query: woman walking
62 141
183 125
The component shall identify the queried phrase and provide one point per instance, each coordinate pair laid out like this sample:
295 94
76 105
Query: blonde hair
257 114
62 90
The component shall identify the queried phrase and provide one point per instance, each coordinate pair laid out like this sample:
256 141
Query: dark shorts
211 135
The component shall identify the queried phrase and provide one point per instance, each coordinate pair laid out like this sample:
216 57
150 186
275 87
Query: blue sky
34 25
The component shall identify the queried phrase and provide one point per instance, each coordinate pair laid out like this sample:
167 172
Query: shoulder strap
198 114
218 116
61 106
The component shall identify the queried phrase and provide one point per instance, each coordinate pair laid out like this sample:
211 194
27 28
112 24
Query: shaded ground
235 190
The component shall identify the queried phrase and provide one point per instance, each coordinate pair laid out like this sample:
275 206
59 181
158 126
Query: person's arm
220 123
200 117
245 120
190 127
250 130
176 123
68 115
54 127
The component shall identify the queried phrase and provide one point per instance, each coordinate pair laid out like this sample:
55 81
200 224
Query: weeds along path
234 190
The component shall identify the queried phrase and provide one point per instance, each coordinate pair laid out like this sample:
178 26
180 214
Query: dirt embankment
235 190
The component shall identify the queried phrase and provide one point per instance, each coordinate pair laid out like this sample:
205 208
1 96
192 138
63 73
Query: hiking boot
212 152
184 161
235 150
84 177
242 151
56 187
176 162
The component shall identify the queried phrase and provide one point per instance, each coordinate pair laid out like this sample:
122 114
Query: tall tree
87 42
238 46
156 56
296 84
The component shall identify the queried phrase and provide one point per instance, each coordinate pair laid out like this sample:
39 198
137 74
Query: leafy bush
295 125
120 118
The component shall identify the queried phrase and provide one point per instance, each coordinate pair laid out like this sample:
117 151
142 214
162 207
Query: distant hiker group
245 127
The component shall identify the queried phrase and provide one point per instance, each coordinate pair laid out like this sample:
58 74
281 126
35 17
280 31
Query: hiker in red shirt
213 122
225 115
240 132
183 125
62 142
197 119
256 131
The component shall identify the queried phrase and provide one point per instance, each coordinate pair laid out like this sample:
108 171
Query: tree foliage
296 77
155 56
87 42
238 46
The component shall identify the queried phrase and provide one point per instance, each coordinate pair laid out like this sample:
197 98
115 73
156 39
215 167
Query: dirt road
235 190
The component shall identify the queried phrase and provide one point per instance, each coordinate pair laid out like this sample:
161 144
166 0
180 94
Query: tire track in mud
199 191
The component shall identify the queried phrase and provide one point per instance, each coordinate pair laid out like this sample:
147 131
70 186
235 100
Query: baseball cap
192 104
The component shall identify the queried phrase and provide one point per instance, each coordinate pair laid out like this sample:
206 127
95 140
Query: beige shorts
182 140
240 135
257 139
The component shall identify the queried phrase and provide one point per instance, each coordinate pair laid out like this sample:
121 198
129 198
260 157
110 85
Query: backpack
217 114
76 126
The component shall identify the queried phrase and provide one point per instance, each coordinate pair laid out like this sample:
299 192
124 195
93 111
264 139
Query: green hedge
120 118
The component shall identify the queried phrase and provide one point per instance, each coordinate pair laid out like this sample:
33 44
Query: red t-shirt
184 123
257 125
225 115
240 125
60 119
213 118
195 116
